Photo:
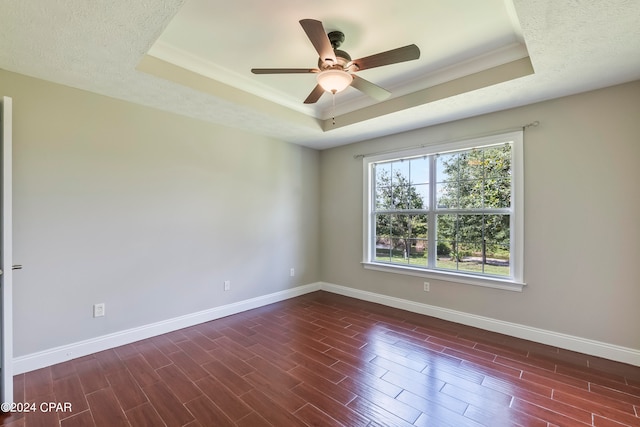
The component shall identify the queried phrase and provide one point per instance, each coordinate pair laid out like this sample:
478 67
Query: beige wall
582 236
148 212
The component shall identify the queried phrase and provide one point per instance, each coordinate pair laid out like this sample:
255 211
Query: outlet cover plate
98 310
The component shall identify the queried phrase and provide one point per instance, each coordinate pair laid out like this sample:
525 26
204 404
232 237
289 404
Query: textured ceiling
193 57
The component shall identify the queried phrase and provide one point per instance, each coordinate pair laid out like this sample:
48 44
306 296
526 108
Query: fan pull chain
333 108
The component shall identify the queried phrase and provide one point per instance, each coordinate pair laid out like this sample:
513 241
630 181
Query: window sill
489 282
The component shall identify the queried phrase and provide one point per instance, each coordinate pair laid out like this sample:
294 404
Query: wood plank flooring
328 360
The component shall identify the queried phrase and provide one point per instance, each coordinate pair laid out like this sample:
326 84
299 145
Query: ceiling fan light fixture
334 81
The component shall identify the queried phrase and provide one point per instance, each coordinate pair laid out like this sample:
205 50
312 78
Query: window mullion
431 233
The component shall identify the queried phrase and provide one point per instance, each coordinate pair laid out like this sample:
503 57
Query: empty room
365 213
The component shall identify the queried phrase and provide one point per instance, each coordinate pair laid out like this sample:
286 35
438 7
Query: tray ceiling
194 57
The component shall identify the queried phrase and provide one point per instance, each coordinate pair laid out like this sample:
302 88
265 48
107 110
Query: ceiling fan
336 70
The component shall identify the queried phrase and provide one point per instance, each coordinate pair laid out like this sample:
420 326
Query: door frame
6 255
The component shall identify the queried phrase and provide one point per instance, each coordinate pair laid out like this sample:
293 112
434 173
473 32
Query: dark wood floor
327 360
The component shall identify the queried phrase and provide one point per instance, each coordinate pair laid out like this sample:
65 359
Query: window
451 211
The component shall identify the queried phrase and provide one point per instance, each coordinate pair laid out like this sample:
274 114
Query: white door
6 285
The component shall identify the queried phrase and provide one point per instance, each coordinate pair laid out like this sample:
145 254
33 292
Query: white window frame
515 281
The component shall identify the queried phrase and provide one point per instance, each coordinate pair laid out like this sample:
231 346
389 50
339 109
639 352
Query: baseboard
60 354
556 339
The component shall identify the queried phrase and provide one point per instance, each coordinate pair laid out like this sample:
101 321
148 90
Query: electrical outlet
98 310
292 272
426 286
227 285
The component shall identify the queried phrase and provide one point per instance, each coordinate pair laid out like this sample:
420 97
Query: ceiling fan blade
317 35
315 94
401 54
284 70
368 88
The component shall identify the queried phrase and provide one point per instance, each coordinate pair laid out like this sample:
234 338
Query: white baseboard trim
556 339
60 354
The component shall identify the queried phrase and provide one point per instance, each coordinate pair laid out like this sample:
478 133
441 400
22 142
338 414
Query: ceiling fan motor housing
343 58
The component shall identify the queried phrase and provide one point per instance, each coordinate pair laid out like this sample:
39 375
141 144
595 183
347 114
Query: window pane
414 199
419 170
497 260
497 229
446 241
382 174
419 226
398 254
383 237
469 257
469 194
402 239
383 249
497 239
447 167
445 259
474 243
447 195
470 228
498 161
443 249
497 193
383 225
400 225
471 165
475 179
399 173
383 198
420 196
458 239
451 193
418 252
401 197
447 227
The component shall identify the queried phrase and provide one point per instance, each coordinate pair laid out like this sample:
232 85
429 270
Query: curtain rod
523 127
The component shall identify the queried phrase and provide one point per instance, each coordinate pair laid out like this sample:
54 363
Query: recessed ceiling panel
456 38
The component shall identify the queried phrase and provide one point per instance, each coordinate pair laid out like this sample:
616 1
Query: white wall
582 233
148 212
